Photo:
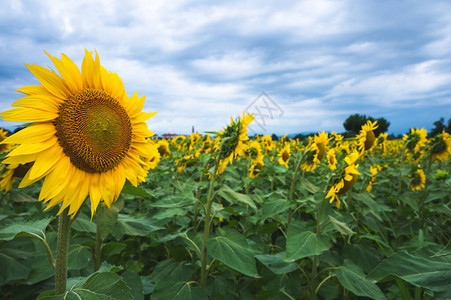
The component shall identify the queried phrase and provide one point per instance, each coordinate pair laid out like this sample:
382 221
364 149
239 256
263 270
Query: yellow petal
94 193
41 102
69 72
35 133
26 181
106 187
80 192
134 105
50 80
143 116
25 114
20 159
90 71
46 161
26 149
58 179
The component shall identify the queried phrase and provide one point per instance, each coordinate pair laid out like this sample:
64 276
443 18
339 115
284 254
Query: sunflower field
219 215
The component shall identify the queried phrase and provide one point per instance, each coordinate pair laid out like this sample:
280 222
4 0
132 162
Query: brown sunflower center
285 155
94 130
370 139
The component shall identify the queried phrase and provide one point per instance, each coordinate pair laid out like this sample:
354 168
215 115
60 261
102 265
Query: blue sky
201 62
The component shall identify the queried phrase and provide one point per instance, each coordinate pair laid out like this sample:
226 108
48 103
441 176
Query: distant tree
354 123
274 137
439 127
383 125
448 128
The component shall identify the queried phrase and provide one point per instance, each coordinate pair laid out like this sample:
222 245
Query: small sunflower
153 156
232 139
86 137
345 179
10 173
418 179
284 155
441 147
163 147
253 151
366 138
317 151
373 170
256 168
4 147
415 140
332 159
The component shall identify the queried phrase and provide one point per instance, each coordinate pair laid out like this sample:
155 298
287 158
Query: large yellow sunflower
87 135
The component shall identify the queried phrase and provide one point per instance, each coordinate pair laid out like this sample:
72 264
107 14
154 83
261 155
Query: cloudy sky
300 66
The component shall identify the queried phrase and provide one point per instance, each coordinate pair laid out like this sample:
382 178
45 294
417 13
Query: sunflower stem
98 249
423 198
61 252
403 151
203 274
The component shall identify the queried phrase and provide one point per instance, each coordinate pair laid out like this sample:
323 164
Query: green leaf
113 248
134 226
175 201
445 251
12 269
134 282
84 224
102 286
181 290
309 186
430 273
134 190
33 228
235 253
78 257
353 279
234 197
276 263
171 269
169 213
341 227
274 206
106 217
301 243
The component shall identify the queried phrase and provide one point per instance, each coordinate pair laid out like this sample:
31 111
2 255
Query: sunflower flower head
417 179
366 138
284 155
344 179
441 147
4 147
256 168
253 151
332 159
415 140
232 140
86 137
163 147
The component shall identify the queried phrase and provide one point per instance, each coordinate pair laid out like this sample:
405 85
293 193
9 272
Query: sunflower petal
25 114
46 161
35 133
50 80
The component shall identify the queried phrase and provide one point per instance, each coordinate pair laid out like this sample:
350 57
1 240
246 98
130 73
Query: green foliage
378 245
